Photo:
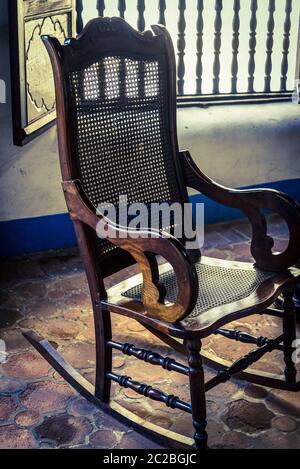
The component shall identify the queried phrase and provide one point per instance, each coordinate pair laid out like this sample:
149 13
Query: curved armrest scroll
251 202
140 244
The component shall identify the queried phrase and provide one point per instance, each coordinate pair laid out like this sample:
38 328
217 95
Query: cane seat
218 285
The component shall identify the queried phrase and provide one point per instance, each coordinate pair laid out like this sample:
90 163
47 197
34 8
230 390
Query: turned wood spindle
235 45
197 389
148 356
162 8
122 8
286 45
199 67
252 46
181 47
79 20
148 391
100 7
217 46
141 18
269 44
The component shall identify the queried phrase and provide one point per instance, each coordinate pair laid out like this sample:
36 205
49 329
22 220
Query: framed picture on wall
33 96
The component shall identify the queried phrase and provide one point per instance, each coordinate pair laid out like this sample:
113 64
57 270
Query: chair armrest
142 245
251 202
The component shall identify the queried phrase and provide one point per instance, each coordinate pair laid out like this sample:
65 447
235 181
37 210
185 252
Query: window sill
231 99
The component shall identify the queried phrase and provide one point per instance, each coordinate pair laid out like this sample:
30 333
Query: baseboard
36 234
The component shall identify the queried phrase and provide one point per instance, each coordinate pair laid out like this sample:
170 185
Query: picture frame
33 96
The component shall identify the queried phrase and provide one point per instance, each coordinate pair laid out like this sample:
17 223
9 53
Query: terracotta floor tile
49 293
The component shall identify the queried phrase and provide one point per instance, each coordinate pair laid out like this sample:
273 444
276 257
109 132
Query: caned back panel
121 130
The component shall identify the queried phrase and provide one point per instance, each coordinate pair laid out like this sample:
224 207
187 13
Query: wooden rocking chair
116 120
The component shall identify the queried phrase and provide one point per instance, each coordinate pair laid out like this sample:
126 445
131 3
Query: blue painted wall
56 231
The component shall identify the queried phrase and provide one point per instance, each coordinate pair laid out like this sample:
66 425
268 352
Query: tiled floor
49 294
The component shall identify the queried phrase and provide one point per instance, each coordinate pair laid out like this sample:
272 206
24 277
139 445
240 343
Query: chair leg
289 330
103 354
197 389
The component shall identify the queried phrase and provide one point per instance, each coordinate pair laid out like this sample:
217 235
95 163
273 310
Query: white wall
242 145
236 145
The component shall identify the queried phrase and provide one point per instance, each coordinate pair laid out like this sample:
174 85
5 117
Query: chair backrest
116 106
